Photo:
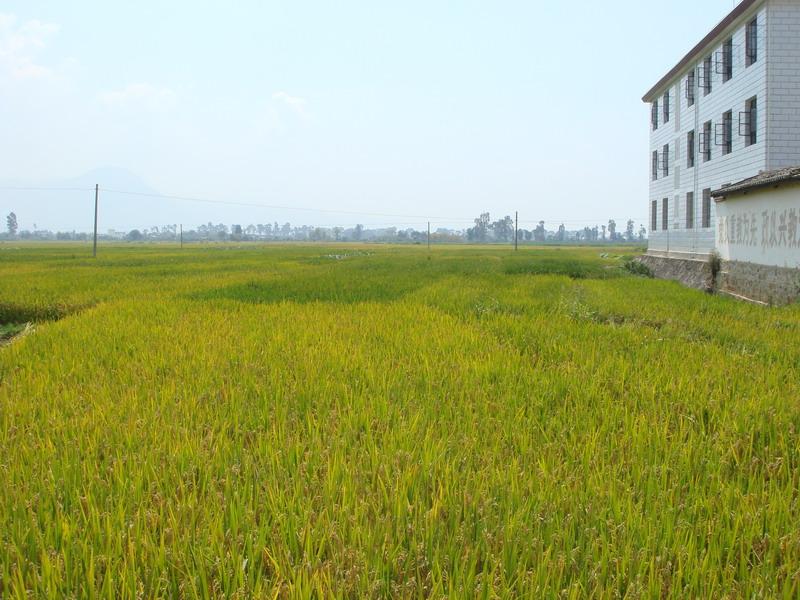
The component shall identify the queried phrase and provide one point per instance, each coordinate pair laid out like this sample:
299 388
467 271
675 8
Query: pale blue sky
423 108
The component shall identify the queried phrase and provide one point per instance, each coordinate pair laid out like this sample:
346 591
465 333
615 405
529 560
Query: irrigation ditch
17 321
9 332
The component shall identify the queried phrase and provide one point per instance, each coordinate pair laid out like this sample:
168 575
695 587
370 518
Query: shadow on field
17 313
364 277
359 287
570 268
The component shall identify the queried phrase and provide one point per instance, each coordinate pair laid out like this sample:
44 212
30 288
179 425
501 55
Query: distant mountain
113 178
66 209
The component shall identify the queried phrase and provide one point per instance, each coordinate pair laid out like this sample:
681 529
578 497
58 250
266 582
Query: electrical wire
282 207
434 220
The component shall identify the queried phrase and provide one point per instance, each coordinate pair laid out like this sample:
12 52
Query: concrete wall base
690 272
760 283
753 282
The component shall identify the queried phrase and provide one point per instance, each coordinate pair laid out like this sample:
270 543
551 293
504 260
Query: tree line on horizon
484 231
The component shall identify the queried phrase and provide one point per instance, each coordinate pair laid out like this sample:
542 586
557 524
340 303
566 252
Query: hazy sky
444 109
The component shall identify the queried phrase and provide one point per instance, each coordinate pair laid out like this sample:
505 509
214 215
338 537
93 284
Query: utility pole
96 198
429 236
181 236
516 229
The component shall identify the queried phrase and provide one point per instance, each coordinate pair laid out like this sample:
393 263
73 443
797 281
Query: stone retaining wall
763 283
745 280
692 273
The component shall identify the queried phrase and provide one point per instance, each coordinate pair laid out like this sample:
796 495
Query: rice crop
287 421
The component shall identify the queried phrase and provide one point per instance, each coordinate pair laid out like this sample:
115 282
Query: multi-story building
729 110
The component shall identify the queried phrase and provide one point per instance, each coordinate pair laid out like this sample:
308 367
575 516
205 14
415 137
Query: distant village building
725 156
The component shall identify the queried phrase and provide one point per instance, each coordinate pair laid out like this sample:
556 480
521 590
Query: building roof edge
765 179
737 12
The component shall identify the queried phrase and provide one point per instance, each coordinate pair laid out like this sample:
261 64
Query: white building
728 111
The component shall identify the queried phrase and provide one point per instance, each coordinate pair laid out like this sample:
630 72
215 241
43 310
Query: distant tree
562 233
134 235
539 232
337 233
318 234
236 231
358 232
11 224
503 229
642 233
479 233
629 231
612 230
604 232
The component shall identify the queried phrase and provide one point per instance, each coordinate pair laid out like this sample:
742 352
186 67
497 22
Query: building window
724 133
725 60
665 160
690 149
689 210
748 122
751 42
666 106
706 208
690 88
655 165
705 141
707 76
654 215
664 213
654 115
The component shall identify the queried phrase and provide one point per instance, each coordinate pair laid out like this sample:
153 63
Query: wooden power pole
96 198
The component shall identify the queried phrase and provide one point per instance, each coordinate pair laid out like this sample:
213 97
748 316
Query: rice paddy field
375 421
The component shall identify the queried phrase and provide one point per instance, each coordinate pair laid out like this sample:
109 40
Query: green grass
9 330
375 421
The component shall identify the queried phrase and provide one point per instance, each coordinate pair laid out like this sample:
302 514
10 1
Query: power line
283 207
44 189
324 210
423 218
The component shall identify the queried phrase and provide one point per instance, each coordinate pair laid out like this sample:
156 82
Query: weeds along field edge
282 421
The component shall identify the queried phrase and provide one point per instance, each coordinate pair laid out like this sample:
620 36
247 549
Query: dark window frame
726 134
690 149
705 140
689 210
727 60
748 122
664 214
665 106
654 166
690 88
706 216
665 160
654 215
751 42
707 75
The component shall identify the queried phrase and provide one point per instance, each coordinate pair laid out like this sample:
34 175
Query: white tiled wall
743 161
783 137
